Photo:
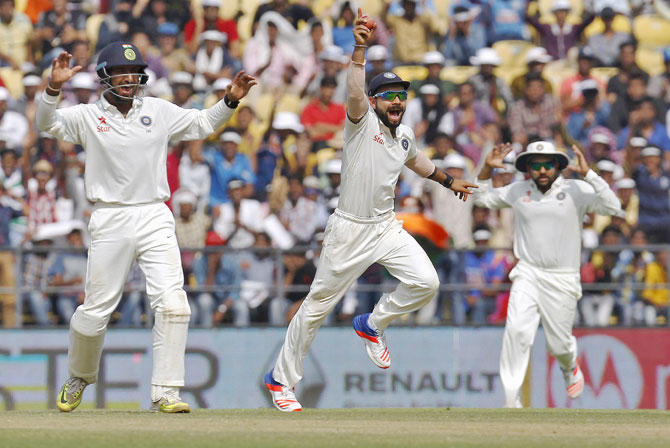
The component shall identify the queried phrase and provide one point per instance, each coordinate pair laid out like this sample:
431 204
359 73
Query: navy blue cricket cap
119 54
383 79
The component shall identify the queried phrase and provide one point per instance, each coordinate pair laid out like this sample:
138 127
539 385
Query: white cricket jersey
371 164
126 156
548 227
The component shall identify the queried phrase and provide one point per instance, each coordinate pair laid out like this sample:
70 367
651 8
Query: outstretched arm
495 159
424 167
357 102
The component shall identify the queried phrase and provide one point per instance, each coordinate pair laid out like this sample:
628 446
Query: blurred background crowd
252 201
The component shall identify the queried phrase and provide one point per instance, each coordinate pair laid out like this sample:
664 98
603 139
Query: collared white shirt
126 156
371 164
13 128
548 226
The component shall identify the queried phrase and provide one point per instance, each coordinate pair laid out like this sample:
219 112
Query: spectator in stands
629 272
35 277
618 84
13 126
464 37
607 169
68 271
630 201
11 174
571 90
505 21
118 24
434 62
633 153
302 217
273 52
57 29
466 120
606 45
257 267
150 55
489 88
81 55
601 146
294 13
333 171
560 37
213 61
642 122
323 117
25 105
377 58
250 132
343 26
236 221
536 59
299 272
536 113
593 113
84 87
482 268
16 45
652 183
413 31
194 174
636 90
41 200
208 19
657 300
226 163
332 66
151 19
659 85
596 306
11 208
303 161
174 58
425 113
182 90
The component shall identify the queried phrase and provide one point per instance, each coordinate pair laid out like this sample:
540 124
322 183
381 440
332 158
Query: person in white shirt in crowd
549 213
83 87
126 142
363 230
13 126
300 215
238 220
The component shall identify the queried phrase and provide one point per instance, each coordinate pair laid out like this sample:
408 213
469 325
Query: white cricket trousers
538 295
119 236
351 244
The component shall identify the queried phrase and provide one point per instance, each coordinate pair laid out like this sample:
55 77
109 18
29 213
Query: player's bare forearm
357 102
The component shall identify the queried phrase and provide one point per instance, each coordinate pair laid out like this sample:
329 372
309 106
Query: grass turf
337 428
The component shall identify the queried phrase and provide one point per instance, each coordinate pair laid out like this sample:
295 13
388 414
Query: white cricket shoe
283 397
375 341
574 379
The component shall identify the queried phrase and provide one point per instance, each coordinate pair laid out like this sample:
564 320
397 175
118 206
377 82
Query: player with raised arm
126 142
548 216
363 229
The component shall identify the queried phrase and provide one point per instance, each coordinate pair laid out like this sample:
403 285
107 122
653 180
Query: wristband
432 174
229 103
446 183
51 91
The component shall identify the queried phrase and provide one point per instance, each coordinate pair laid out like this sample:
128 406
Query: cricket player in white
548 215
126 141
363 230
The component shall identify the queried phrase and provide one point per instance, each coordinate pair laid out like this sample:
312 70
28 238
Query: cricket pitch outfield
517 428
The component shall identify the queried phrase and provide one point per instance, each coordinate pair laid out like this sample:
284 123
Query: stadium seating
604 73
458 73
651 30
621 24
512 52
650 59
411 72
92 28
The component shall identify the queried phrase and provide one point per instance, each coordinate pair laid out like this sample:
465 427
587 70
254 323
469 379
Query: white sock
158 392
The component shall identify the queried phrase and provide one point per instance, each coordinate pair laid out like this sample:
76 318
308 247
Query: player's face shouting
543 170
389 104
125 80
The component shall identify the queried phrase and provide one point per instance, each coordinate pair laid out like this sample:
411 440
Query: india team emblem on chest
145 120
560 196
405 144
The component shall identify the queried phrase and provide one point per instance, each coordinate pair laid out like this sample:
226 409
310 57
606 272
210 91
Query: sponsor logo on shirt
103 127
378 138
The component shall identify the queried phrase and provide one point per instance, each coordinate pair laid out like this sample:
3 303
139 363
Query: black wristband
446 183
231 104
432 174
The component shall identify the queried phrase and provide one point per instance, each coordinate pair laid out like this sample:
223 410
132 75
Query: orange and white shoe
375 341
574 379
283 397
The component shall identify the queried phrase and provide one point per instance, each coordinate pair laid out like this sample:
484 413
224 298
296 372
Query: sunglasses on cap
391 95
537 166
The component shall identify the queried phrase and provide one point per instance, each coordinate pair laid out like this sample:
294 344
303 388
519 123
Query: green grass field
338 428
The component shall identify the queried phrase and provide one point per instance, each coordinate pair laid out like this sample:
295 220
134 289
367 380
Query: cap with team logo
541 148
384 79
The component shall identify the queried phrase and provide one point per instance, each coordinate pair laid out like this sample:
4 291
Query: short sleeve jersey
371 165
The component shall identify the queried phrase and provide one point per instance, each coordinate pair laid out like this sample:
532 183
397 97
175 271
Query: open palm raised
61 71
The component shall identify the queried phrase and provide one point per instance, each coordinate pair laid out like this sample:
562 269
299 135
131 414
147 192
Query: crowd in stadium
257 195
